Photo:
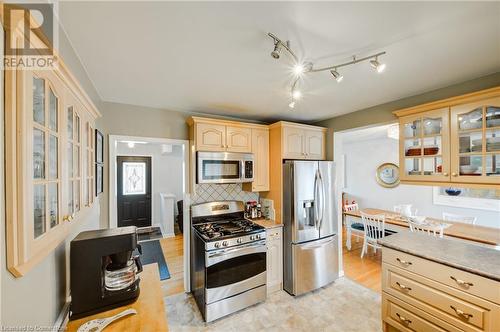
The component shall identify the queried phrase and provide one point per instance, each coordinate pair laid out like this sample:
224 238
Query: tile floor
342 306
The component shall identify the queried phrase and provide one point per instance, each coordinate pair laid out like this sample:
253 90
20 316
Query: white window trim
465 202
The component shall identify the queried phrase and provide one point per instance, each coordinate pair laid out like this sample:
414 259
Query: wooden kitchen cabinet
475 135
424 146
45 115
452 142
260 150
274 242
303 142
215 136
210 137
422 295
238 139
315 144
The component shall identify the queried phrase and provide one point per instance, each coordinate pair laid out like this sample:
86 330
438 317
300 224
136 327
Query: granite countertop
267 223
469 257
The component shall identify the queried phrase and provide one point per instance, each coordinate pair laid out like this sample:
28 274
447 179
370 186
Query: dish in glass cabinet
453 191
387 175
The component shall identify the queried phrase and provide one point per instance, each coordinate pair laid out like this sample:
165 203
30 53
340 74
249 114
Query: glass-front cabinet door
475 142
424 146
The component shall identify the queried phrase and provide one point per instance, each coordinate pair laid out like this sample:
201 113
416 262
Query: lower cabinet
421 295
274 240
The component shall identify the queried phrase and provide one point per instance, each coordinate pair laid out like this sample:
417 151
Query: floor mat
153 235
152 253
341 306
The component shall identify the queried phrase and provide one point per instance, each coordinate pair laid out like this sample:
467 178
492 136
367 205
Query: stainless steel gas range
228 259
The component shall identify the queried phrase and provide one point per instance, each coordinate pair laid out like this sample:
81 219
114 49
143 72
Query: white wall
167 170
363 158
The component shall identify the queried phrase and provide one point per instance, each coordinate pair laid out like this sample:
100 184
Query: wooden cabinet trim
453 101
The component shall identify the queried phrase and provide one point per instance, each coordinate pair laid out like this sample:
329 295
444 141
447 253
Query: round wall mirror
388 175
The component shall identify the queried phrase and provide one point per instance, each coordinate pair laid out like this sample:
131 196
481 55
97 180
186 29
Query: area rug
152 253
342 306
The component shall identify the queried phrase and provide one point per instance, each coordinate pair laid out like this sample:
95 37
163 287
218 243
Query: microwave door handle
242 170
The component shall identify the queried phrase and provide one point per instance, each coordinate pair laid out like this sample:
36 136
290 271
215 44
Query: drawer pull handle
404 262
403 287
403 319
461 313
461 282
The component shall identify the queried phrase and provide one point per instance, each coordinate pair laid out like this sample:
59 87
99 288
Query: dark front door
134 191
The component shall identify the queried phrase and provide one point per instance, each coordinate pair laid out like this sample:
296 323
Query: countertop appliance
310 225
103 272
224 167
228 259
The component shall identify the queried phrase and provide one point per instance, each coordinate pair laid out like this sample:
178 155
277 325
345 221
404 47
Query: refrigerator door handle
316 201
323 193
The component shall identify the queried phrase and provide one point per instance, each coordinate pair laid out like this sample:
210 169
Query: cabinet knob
454 174
445 174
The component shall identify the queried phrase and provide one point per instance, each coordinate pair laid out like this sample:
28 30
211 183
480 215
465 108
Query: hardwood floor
173 251
366 271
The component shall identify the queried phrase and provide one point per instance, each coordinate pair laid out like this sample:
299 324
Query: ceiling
214 57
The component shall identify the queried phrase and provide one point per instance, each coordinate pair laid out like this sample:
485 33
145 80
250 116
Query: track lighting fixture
379 67
301 68
277 50
336 75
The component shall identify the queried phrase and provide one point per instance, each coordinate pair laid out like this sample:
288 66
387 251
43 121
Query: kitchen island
436 284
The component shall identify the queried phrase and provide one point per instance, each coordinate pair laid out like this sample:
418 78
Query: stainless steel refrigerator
310 225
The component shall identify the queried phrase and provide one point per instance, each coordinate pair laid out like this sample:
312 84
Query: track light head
337 75
277 50
379 67
296 94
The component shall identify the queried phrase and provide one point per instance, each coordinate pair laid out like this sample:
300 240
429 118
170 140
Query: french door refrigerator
310 225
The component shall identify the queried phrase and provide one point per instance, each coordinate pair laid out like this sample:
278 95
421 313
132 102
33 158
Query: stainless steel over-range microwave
224 167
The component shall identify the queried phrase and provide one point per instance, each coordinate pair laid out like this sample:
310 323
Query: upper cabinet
475 135
260 150
216 137
457 142
303 141
424 153
47 165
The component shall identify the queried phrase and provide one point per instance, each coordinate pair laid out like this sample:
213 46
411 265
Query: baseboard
63 318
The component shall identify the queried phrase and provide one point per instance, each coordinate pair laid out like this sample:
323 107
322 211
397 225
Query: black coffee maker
103 272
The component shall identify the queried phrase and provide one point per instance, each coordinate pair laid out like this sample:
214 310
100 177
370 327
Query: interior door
305 201
133 191
327 208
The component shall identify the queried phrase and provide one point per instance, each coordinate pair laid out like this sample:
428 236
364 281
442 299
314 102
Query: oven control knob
217 244
257 236
251 237
239 240
224 243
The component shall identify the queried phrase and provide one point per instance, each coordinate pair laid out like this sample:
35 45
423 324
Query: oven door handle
215 257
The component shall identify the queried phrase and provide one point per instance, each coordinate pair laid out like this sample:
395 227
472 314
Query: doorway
133 195
170 199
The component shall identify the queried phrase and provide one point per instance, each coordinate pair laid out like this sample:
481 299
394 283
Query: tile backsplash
222 192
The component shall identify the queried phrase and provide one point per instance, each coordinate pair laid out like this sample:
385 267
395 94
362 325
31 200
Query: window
134 178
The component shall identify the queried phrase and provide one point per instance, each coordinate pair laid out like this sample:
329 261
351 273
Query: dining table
475 233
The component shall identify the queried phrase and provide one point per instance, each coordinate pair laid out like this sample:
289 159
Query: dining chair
458 218
353 228
374 230
426 229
